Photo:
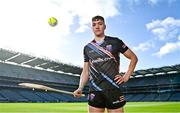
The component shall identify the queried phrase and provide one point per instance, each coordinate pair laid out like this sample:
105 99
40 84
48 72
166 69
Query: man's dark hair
96 18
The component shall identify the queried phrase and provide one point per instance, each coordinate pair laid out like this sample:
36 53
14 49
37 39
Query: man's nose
97 27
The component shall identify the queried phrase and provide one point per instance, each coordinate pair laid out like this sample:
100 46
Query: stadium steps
175 96
12 96
176 80
46 96
162 97
3 99
128 97
31 96
9 70
137 97
149 97
61 97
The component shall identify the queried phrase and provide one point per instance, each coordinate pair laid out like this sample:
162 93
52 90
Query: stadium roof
32 61
158 71
47 64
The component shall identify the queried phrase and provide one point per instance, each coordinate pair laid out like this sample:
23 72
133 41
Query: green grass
130 107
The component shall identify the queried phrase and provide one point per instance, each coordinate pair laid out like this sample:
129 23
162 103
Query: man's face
98 27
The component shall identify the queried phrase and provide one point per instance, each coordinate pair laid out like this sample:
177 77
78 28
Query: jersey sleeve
122 46
86 58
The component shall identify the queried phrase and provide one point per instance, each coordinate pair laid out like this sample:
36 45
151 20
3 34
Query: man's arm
133 61
83 80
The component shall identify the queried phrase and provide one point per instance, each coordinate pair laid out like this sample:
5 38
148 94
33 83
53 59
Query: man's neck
99 38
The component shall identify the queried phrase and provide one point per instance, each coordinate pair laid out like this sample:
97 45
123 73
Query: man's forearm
132 66
84 76
83 80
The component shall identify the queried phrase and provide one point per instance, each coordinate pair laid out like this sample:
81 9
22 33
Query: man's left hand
121 79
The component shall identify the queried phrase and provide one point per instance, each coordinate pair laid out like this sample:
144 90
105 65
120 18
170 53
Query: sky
151 28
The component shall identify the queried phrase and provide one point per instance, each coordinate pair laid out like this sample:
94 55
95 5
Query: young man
101 69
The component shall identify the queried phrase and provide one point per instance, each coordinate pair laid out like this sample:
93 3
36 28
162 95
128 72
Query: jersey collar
106 37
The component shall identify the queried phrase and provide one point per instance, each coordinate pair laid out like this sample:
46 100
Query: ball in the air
52 21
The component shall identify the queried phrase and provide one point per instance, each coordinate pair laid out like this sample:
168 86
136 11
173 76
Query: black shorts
111 99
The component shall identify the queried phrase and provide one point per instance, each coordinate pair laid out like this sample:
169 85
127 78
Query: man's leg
96 110
119 110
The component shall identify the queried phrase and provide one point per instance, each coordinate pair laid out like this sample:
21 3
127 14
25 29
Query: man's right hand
77 93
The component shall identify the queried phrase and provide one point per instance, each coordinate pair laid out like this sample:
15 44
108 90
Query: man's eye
100 23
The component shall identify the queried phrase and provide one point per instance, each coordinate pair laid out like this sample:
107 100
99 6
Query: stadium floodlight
46 88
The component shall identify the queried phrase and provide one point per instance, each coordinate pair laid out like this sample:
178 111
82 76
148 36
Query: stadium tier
32 61
155 84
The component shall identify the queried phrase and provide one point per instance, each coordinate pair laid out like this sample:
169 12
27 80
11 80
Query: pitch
131 107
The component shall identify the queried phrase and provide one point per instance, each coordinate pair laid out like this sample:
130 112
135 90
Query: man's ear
104 26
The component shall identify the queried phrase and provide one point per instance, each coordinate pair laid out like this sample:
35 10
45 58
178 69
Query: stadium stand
156 87
155 84
18 68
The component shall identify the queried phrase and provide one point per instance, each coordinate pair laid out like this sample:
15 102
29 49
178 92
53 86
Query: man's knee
96 110
118 110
